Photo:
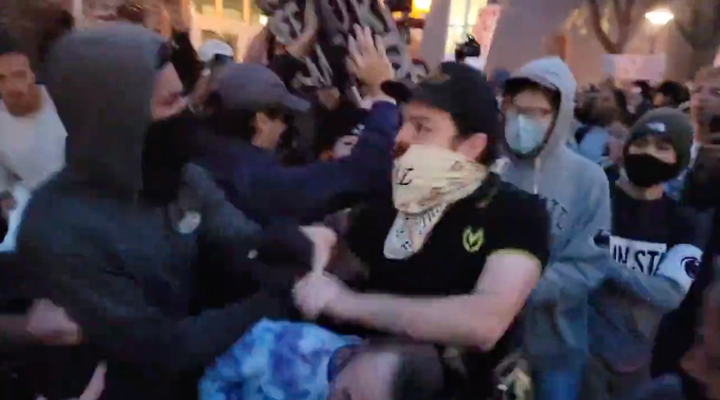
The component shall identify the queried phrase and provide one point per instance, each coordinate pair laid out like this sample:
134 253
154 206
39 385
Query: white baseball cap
214 47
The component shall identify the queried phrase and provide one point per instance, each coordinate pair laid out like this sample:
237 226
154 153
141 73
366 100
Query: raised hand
368 60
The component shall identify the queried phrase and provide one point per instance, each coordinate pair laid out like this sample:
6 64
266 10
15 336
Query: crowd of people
177 225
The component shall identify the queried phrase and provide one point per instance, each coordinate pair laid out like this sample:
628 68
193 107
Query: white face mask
524 135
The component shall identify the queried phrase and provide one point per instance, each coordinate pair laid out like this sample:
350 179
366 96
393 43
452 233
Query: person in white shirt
32 137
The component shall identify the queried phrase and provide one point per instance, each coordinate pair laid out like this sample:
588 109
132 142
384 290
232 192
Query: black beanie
668 123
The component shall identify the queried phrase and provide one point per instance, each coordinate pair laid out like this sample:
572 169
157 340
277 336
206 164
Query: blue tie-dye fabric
276 360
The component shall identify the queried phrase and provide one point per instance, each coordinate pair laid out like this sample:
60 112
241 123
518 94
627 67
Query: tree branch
624 21
596 25
617 10
692 30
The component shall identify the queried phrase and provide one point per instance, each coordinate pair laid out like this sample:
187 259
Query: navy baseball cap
254 87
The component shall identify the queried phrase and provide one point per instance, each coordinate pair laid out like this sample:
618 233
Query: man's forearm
460 320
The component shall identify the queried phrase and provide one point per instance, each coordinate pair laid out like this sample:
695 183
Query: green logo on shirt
473 239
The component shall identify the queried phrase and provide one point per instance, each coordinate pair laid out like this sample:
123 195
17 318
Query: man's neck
30 106
638 193
265 143
701 132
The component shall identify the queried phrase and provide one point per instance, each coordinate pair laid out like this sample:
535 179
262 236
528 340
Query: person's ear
473 146
340 359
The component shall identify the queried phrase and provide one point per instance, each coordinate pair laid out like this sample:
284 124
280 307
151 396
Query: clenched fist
320 293
51 325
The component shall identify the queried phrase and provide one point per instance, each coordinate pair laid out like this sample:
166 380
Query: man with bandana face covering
117 254
539 108
455 252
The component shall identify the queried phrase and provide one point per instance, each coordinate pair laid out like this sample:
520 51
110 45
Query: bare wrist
341 307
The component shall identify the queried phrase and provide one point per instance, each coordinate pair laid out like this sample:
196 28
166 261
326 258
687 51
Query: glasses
531 112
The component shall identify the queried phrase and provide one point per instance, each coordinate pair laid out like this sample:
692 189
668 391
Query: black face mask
644 170
169 145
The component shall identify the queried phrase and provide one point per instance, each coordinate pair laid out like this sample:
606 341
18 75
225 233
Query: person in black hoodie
119 257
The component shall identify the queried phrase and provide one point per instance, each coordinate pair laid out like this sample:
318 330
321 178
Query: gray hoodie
578 200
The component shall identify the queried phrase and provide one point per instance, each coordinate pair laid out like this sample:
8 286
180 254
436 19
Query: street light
659 17
420 8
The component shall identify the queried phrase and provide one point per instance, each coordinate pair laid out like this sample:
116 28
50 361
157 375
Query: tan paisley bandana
428 176
426 180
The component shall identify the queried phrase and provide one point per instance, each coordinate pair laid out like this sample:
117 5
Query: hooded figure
119 262
539 106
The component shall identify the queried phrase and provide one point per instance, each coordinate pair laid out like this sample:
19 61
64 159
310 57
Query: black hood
102 82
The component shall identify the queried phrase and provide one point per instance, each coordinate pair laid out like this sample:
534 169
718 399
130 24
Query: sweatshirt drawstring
536 174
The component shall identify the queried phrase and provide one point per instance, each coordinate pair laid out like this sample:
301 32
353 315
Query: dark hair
55 23
241 124
675 91
469 48
645 89
420 373
514 87
419 376
8 44
288 151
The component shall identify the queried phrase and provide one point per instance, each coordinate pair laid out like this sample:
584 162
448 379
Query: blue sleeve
308 193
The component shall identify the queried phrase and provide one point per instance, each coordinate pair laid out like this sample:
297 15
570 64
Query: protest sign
326 64
632 67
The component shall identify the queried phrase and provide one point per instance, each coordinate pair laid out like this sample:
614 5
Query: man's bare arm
479 319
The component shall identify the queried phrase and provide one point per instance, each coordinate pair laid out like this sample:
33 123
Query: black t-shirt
496 217
643 230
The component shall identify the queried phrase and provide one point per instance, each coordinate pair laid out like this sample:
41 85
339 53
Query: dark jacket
678 329
120 266
257 184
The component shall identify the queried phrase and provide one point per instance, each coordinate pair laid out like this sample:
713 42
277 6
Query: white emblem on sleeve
189 222
681 264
